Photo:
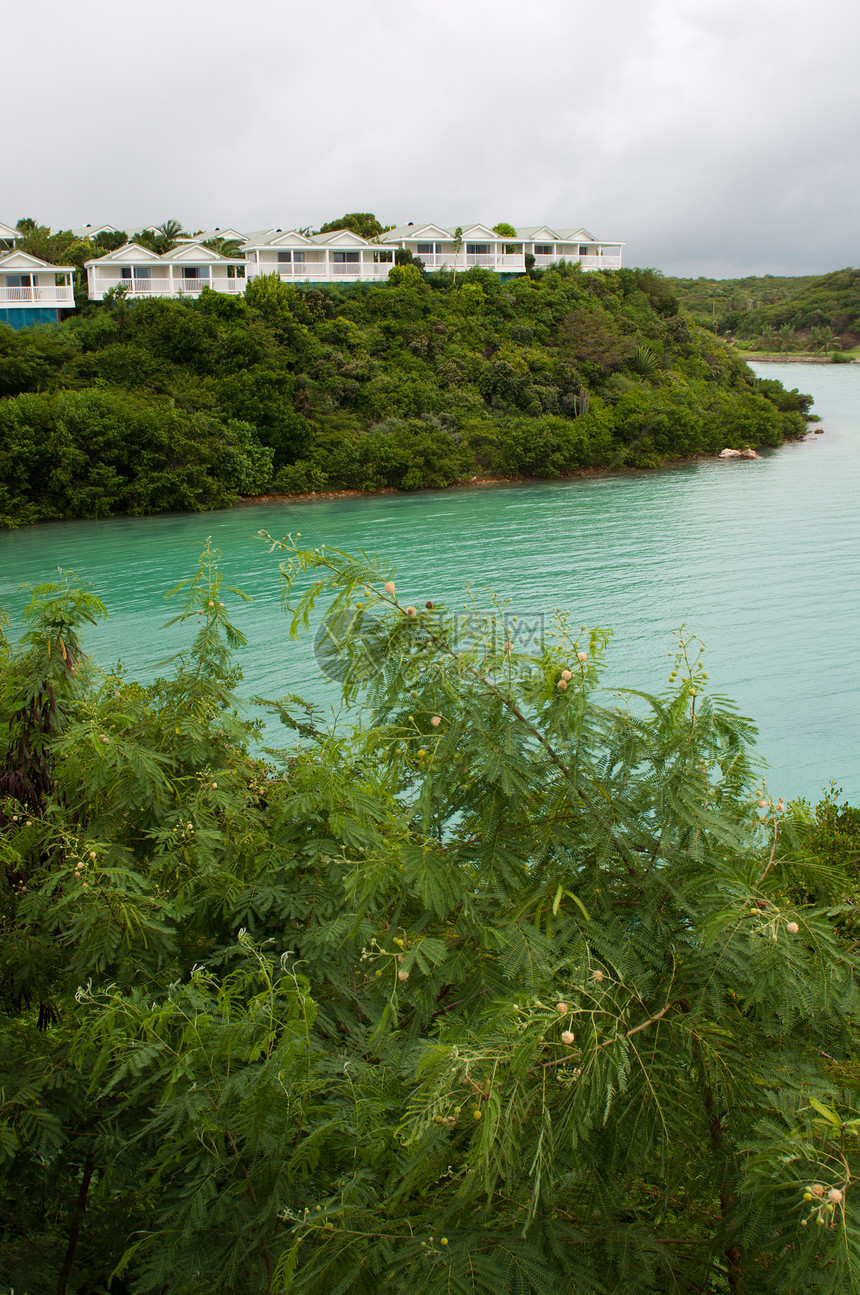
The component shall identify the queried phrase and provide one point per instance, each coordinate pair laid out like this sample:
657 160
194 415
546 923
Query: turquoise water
760 559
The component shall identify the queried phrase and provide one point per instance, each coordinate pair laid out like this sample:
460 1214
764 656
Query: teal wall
26 316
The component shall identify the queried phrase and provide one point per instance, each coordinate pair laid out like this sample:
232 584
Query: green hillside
815 314
415 382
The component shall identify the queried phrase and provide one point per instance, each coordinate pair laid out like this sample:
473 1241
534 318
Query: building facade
184 272
339 256
32 291
443 248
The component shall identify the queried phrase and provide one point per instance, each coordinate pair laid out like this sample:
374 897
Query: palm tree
458 247
171 229
786 337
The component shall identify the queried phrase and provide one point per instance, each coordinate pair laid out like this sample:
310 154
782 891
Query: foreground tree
516 987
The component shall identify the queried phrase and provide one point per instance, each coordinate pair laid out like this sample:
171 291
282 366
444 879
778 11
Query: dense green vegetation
817 314
515 989
411 383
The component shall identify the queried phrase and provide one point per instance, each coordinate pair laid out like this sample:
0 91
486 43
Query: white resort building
185 271
32 291
443 248
8 237
343 257
337 257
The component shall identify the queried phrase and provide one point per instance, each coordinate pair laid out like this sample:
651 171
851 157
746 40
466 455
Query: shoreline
479 483
768 357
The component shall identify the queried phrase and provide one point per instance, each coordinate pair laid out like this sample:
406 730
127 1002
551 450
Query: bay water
760 559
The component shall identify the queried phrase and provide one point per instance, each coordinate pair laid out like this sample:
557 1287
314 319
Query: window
425 249
196 271
298 258
284 258
19 280
584 250
543 249
478 249
345 258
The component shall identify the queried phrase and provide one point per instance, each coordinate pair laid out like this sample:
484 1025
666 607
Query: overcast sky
715 137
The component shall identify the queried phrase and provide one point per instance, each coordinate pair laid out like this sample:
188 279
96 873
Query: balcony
45 295
504 262
604 262
321 271
166 287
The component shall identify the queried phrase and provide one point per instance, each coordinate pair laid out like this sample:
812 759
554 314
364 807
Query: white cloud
712 137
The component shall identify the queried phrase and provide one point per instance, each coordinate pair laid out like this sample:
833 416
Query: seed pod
429 605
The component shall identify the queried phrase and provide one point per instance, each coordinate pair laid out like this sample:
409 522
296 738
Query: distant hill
815 313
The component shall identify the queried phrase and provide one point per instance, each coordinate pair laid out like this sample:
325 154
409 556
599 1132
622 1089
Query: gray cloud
714 137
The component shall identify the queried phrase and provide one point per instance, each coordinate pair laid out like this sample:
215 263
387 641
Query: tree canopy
360 222
420 381
514 987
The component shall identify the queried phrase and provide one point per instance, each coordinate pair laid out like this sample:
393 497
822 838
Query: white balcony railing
46 295
162 287
513 262
587 262
321 271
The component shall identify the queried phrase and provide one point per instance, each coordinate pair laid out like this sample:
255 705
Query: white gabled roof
276 238
24 261
341 238
485 234
7 232
530 233
198 254
92 231
403 232
208 235
126 255
421 233
194 253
